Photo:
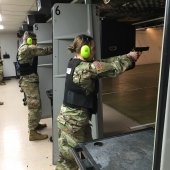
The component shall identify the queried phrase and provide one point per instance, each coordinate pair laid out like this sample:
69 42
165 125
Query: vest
26 68
74 95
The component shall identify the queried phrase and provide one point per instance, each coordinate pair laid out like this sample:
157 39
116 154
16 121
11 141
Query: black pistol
140 49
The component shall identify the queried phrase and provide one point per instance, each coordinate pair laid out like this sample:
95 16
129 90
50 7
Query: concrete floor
16 151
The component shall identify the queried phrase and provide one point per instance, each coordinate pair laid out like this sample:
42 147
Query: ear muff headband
29 41
85 51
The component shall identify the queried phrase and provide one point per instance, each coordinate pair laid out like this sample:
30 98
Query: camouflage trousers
30 86
1 73
74 127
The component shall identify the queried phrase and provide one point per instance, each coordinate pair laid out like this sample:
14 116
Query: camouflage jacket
86 72
27 52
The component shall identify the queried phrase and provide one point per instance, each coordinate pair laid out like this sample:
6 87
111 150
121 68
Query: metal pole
76 1
155 19
163 89
80 1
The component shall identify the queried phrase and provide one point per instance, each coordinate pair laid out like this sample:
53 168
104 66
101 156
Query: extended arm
34 50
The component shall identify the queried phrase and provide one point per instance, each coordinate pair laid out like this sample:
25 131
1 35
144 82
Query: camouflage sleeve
33 50
86 72
37 51
112 66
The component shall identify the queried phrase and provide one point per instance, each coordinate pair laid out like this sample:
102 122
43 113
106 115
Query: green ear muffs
29 41
85 51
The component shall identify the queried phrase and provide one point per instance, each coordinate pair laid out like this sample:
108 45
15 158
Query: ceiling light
1 27
140 29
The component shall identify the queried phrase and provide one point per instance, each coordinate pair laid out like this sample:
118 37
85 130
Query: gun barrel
141 49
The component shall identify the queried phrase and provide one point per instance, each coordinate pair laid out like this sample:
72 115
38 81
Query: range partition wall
44 38
69 20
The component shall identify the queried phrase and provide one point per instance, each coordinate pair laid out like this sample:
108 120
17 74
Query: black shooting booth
117 38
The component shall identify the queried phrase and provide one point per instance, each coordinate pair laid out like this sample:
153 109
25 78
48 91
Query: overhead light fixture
106 1
0 18
141 29
1 27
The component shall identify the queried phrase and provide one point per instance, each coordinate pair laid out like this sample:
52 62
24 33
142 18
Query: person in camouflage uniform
1 76
80 95
28 53
1 73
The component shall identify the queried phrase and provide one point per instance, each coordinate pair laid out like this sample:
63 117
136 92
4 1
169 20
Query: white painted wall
151 37
8 43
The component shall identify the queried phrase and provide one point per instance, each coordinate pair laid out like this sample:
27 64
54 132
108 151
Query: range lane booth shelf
130 151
